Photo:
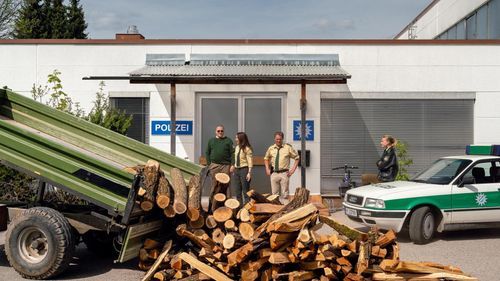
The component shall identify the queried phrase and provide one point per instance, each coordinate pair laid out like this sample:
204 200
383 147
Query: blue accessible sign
162 127
309 130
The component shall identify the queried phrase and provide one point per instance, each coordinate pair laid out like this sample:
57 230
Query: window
471 27
480 173
482 23
494 19
139 109
461 30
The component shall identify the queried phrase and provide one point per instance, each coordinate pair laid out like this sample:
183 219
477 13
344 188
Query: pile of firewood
265 240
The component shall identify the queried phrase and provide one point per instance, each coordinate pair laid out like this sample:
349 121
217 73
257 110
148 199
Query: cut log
279 258
363 258
147 204
230 225
243 252
313 265
386 239
414 276
228 241
290 226
194 198
159 260
279 240
169 211
199 232
150 244
164 275
151 176
218 201
256 219
182 231
305 236
218 235
210 222
351 233
296 214
199 223
300 198
301 276
246 230
244 215
259 198
180 191
163 194
223 214
265 208
209 271
249 275
232 203
222 178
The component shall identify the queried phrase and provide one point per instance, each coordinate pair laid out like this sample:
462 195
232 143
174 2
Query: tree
29 23
58 20
76 21
106 116
8 12
50 20
404 161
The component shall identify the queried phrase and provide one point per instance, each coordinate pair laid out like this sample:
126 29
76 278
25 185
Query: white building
455 20
435 95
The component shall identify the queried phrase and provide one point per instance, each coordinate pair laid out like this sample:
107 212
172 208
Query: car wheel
39 243
422 225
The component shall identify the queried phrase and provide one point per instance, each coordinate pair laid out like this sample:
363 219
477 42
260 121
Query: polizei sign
163 127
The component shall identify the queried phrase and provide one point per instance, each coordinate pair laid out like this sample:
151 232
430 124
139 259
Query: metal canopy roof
279 67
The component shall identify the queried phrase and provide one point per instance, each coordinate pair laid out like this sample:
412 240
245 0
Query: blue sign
309 130
162 127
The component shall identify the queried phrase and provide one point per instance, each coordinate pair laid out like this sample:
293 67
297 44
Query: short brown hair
279 133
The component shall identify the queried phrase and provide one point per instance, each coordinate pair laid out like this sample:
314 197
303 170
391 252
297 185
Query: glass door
262 118
257 115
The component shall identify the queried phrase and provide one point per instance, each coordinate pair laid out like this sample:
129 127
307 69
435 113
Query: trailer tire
39 243
422 225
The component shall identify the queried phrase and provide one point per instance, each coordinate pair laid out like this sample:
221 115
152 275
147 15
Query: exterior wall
442 15
419 69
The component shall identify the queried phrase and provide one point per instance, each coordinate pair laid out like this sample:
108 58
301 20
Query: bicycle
347 183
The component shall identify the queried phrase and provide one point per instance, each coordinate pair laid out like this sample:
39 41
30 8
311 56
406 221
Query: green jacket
219 151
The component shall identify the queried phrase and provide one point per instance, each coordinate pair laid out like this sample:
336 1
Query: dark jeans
240 185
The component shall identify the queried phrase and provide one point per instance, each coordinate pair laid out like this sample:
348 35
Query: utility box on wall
308 157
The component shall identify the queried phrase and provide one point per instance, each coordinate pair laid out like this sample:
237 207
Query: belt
281 171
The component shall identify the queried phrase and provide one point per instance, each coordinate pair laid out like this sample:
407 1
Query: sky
251 19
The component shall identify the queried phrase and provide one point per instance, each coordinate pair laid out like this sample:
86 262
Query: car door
478 199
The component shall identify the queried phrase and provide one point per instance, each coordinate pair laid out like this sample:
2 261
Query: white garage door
351 131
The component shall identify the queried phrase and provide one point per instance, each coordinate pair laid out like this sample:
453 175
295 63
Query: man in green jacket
219 159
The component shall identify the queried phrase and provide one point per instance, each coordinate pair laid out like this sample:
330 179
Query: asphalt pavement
476 252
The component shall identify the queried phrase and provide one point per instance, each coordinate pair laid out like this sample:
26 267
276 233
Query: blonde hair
392 140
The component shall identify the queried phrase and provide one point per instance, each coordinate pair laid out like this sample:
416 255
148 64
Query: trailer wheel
39 243
422 225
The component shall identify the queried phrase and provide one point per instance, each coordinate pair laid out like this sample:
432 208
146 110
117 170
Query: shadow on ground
84 265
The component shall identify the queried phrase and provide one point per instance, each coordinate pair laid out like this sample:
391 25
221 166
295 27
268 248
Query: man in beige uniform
279 156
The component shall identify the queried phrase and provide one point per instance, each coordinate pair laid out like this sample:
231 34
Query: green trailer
85 160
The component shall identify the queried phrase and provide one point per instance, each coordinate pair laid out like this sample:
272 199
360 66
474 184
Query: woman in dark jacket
388 164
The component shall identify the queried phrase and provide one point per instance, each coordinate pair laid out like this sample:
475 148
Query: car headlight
375 203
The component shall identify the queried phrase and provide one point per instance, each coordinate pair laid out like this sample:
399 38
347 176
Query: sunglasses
220 131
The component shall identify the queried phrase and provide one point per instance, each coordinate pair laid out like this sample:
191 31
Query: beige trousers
280 181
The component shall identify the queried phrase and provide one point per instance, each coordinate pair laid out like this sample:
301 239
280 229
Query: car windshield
443 171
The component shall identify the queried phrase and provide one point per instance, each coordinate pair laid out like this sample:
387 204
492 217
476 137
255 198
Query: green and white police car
455 192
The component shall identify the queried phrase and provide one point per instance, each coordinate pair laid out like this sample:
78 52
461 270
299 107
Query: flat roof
246 42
